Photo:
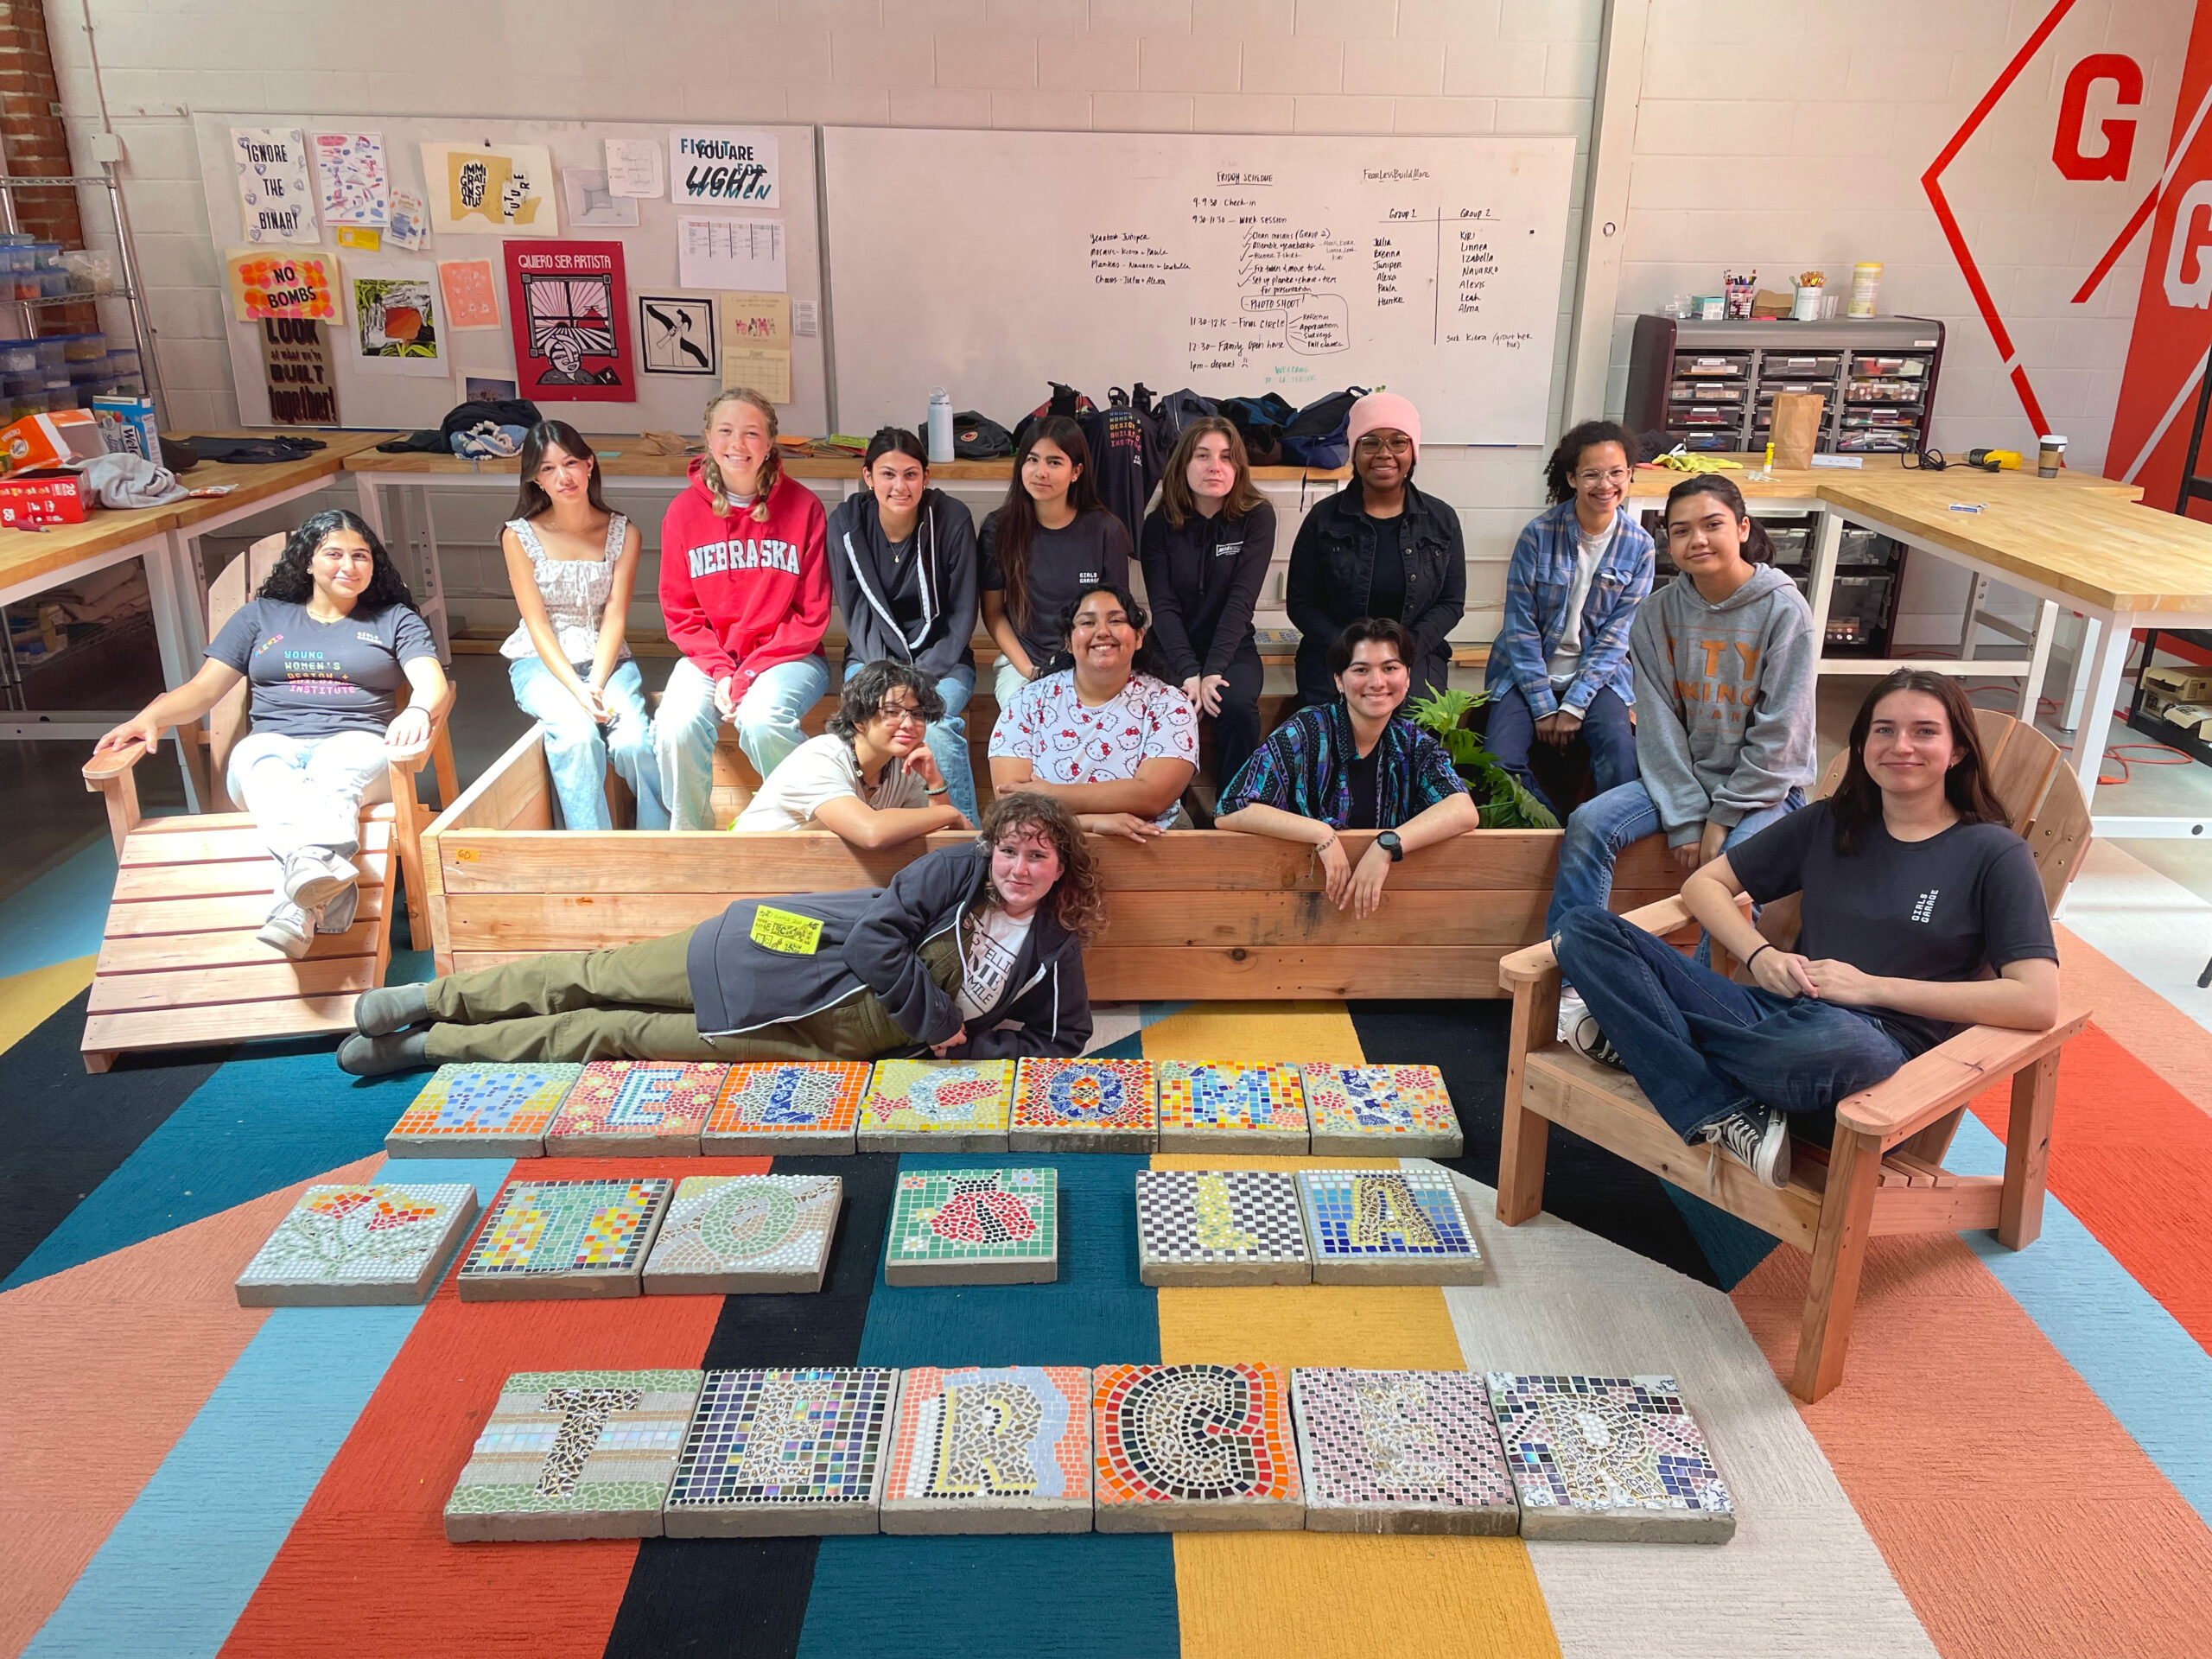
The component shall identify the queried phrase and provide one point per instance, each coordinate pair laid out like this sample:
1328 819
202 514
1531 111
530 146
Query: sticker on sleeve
781 930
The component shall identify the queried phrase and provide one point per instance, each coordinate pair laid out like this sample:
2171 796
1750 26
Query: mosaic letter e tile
1399 1451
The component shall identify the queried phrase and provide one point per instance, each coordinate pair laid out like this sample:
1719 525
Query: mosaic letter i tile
1005 1450
352 1246
1399 1451
1194 1448
784 1451
1616 1458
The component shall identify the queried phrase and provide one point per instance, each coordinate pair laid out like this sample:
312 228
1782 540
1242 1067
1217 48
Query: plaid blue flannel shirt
1537 584
1302 768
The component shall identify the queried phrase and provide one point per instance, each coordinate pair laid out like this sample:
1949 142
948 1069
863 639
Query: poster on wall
568 307
302 285
355 188
491 190
411 220
592 206
295 367
633 166
395 318
472 293
756 319
676 334
745 255
276 200
726 166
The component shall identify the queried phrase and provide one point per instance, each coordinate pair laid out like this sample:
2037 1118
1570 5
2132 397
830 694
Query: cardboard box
44 496
127 425
2190 718
2179 685
38 440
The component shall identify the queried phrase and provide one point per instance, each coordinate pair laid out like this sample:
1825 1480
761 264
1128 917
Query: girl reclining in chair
1915 892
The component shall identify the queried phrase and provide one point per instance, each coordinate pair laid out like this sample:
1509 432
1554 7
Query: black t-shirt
1360 775
903 593
1062 562
1385 588
1938 909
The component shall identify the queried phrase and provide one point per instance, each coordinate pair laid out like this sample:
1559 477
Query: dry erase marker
1965 506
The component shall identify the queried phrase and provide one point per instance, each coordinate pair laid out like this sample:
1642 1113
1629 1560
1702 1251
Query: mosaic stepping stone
1084 1106
552 1239
1217 1106
728 1234
1399 1451
974 1227
482 1110
1611 1458
1381 1111
1194 1448
574 1454
778 1108
936 1106
644 1109
1220 1227
784 1451
1387 1227
1006 1450
355 1246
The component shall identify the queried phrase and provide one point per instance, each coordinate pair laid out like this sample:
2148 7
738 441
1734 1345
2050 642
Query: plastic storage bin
81 348
18 357
90 271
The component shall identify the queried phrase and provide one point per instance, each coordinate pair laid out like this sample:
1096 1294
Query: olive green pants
633 1002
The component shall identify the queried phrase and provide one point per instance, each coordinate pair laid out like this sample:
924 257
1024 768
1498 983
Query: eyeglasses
1374 444
1616 475
902 714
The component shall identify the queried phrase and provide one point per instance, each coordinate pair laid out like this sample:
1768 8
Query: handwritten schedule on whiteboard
1231 265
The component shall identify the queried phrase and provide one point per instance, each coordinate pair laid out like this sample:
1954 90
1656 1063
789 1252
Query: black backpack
1179 409
466 418
1318 434
1260 420
1064 400
977 437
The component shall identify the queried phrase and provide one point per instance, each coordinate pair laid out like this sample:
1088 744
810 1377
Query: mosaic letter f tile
1215 1106
1195 1448
550 1239
776 1451
482 1110
974 1227
991 1451
1381 1111
936 1106
574 1454
729 1235
1084 1106
1614 1458
350 1246
784 1109
621 1109
1387 1227
1220 1227
1399 1451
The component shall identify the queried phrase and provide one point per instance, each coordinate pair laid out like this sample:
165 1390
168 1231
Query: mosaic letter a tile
574 1454
785 1109
1387 1227
552 1239
1084 1106
781 1452
1006 1450
936 1106
1399 1451
1381 1111
1194 1448
351 1246
1610 1457
482 1110
974 1227
1220 1227
726 1234
1216 1106
645 1108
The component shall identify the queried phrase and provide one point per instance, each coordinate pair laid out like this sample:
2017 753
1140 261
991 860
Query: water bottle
940 425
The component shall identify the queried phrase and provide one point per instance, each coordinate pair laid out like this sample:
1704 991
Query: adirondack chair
1883 1172
179 963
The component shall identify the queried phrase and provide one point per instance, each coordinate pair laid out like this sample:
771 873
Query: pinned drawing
276 200
592 206
676 334
395 320
491 190
356 190
472 293
633 166
568 307
411 220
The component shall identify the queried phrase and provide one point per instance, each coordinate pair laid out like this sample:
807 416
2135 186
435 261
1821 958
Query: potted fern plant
1505 804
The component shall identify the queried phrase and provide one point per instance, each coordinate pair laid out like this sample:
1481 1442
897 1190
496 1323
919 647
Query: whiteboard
664 402
992 262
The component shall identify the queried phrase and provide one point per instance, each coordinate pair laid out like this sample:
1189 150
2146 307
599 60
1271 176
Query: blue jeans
1702 1046
948 736
767 729
1603 825
1607 733
579 750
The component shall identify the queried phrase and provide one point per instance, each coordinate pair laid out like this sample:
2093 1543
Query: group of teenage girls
1694 706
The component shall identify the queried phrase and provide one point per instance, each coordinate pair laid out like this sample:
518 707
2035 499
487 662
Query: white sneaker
289 929
1756 1137
314 876
339 913
1572 1010
1578 1031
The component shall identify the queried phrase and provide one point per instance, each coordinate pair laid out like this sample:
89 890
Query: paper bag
1796 430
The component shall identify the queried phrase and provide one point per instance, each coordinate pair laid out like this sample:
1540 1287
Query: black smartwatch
1389 842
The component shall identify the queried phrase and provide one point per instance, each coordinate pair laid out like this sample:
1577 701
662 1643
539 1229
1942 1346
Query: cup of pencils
1811 286
1741 292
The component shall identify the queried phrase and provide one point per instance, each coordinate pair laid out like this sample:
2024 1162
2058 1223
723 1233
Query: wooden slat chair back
179 963
1882 1174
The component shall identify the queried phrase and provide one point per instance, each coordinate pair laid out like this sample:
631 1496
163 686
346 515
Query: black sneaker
1758 1138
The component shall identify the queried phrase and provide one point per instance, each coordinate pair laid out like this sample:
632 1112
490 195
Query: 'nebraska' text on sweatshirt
740 595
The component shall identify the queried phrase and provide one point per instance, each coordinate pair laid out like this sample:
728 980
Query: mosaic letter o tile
1084 1106
936 1106
1220 1227
550 1239
974 1227
779 1452
1381 1111
1399 1451
1194 1448
1217 1106
787 1108
729 1235
1387 1227
482 1110
1005 1450
645 1108
350 1246
1610 1457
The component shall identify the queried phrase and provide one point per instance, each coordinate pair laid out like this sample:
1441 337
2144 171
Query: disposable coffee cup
2050 454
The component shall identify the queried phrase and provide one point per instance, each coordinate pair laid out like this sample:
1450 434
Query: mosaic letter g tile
974 1227
550 1239
991 1451
348 1246
781 1452
1610 1457
1399 1451
1194 1448
1084 1106
1381 1111
482 1110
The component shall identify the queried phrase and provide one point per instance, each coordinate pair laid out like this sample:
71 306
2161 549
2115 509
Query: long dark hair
1858 799
1559 471
1015 522
1078 897
894 441
1758 546
533 501
292 581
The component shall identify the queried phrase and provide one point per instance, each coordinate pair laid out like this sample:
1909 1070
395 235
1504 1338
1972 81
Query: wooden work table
1808 486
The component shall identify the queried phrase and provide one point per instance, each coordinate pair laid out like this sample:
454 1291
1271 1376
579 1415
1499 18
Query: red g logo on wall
2111 162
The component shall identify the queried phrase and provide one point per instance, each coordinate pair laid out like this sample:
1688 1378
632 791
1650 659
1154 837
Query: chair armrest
1532 962
103 768
1530 965
1950 1075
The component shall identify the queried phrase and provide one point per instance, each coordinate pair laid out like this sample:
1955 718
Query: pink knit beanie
1380 409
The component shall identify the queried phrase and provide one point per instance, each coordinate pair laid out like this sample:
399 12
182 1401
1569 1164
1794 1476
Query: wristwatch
1389 842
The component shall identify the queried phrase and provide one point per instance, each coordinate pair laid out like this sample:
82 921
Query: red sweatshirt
741 595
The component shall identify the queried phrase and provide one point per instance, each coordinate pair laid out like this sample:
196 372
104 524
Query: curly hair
1559 471
1078 897
294 583
864 693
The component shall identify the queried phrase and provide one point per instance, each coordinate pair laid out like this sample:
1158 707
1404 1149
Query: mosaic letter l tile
1220 1227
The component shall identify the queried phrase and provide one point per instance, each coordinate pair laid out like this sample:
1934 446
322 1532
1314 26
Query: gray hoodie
1724 700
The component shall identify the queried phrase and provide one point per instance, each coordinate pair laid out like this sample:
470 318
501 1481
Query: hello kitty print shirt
1066 742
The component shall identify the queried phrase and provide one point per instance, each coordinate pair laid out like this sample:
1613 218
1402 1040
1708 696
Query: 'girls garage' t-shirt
314 679
988 962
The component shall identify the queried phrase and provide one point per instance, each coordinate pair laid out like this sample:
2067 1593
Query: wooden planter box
1199 915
